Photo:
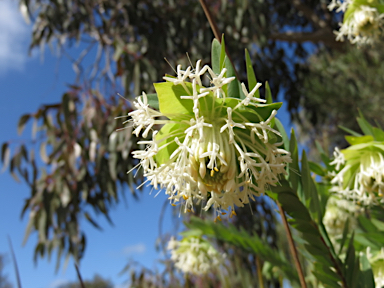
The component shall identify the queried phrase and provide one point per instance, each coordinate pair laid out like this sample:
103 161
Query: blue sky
26 82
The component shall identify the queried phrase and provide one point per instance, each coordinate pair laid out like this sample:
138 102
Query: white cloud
14 38
58 282
138 248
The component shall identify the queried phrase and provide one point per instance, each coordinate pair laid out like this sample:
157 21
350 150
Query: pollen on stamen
215 168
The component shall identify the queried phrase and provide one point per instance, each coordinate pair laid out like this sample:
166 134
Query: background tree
4 282
96 282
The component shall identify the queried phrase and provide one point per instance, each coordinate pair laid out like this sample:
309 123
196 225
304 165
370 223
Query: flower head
212 148
360 172
362 24
194 255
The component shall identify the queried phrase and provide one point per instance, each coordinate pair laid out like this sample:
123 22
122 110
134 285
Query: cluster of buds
213 147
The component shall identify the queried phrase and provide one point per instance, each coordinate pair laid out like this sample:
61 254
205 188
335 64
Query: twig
14 263
259 272
292 247
216 32
79 276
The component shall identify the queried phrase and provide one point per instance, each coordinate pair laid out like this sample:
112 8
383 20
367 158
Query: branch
292 247
310 14
323 35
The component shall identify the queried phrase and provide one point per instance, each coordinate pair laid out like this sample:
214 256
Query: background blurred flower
195 255
362 23
362 175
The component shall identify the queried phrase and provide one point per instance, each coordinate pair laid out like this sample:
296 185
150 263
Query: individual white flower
195 255
206 150
360 173
363 26
340 5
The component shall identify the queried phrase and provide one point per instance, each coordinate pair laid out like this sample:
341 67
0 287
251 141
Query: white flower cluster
195 255
361 179
337 212
362 26
217 155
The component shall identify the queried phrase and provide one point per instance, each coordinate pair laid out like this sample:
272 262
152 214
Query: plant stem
216 32
79 276
259 273
292 247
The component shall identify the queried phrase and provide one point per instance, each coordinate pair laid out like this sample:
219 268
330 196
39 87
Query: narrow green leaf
284 135
215 56
317 169
21 124
93 222
234 88
305 177
251 77
350 131
366 277
5 156
222 54
293 167
365 126
378 134
344 236
268 93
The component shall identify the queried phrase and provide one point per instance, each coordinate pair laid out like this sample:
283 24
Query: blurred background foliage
76 162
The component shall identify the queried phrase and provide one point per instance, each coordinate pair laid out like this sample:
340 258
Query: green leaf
366 279
22 121
215 56
251 77
163 154
153 101
365 126
353 140
170 103
378 134
280 128
222 54
268 93
317 169
234 88
344 235
293 168
350 131
5 156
